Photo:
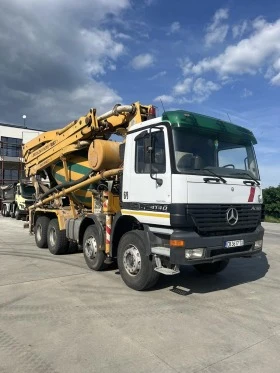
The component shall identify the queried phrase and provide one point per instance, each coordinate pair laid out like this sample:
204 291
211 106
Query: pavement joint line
238 352
44 279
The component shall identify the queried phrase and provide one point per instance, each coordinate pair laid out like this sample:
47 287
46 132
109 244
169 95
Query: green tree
271 197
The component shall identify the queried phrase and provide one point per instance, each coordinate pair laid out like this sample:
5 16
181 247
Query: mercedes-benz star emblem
232 216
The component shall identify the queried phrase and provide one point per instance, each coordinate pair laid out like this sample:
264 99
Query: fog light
194 253
258 244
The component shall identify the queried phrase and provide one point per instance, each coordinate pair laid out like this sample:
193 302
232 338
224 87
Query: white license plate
235 243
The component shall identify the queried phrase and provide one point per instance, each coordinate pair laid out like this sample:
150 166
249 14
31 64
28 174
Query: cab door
146 192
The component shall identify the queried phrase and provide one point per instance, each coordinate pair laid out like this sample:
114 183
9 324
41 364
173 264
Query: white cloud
60 106
121 35
99 47
246 93
186 65
54 55
183 87
202 89
261 49
217 31
239 30
142 61
149 2
259 23
276 80
190 91
165 98
158 75
174 27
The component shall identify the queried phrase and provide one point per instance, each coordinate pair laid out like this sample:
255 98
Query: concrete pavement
58 316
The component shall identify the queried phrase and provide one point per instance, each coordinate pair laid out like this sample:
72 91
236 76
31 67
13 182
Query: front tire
212 268
135 267
94 257
57 241
41 231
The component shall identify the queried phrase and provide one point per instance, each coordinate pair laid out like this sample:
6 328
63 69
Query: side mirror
150 150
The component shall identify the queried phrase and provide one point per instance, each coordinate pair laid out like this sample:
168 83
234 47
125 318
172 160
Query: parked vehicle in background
16 199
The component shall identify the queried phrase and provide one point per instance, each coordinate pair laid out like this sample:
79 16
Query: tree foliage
271 198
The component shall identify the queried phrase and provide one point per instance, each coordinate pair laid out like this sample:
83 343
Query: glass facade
11 170
11 146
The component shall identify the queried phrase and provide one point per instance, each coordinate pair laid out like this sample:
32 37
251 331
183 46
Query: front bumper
214 246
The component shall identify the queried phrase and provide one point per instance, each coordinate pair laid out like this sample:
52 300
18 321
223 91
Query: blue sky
220 58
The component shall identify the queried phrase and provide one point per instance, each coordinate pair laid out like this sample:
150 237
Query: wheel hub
39 232
52 237
132 260
91 247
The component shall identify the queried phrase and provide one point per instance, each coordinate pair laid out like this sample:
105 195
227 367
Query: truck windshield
195 153
27 191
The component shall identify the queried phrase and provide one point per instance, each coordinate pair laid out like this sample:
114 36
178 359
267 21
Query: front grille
210 220
231 250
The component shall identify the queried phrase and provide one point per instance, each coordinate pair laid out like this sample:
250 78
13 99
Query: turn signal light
177 243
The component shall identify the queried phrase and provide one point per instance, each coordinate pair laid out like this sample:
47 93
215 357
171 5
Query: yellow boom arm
51 146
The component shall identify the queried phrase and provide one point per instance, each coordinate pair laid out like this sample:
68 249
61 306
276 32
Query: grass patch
271 219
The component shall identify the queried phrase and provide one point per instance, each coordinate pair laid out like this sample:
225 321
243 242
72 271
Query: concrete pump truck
180 189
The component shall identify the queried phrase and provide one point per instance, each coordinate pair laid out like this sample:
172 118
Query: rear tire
57 241
7 212
136 268
17 214
212 268
41 231
94 257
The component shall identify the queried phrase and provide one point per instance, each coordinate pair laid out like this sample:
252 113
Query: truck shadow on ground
239 271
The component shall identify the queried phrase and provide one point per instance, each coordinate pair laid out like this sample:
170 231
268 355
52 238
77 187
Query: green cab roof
203 124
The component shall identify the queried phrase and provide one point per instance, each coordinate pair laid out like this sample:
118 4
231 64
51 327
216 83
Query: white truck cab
193 181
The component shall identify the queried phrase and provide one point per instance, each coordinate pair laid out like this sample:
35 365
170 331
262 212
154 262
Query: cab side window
150 153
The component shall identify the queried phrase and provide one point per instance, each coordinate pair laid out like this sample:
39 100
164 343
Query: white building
11 140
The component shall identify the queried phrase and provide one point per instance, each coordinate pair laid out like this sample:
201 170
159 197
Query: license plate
236 243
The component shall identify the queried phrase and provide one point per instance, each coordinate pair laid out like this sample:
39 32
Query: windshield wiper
247 174
213 173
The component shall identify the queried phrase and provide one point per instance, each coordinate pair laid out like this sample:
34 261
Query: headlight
194 253
258 244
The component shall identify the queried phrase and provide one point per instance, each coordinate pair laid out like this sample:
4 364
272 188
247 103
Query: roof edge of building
23 127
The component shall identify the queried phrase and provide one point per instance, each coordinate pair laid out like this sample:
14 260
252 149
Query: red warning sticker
252 194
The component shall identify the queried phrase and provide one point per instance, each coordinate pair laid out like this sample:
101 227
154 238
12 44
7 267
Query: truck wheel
93 256
41 231
135 266
17 214
7 213
212 268
12 215
3 210
57 241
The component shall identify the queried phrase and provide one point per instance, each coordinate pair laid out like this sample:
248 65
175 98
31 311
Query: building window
10 146
11 175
